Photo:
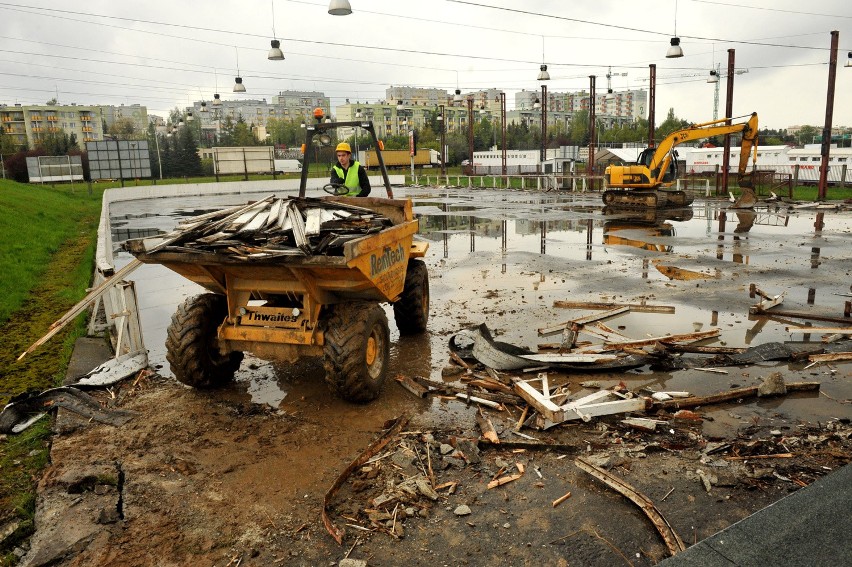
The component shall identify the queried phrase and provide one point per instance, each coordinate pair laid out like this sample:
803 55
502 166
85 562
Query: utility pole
829 115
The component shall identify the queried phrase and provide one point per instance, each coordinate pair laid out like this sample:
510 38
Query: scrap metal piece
670 537
495 354
20 409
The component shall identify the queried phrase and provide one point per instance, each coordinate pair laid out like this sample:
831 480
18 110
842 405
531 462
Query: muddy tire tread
409 311
346 330
189 341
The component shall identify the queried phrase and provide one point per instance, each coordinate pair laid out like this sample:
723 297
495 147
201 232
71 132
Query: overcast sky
162 54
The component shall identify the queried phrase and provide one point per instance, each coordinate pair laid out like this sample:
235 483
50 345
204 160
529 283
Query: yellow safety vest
351 181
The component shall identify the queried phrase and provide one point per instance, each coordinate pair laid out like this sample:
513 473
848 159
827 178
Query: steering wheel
335 189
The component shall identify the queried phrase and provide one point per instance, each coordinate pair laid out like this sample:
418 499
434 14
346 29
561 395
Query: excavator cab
672 170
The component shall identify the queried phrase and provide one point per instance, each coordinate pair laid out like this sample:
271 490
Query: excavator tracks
646 199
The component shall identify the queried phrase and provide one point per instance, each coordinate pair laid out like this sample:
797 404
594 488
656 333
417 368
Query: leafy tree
242 135
125 129
57 143
669 125
226 133
807 135
579 130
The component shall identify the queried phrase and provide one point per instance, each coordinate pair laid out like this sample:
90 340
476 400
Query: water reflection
549 247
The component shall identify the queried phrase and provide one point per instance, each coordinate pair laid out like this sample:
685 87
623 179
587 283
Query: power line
764 8
626 28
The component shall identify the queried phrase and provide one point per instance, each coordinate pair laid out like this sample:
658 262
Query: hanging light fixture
217 102
536 104
238 81
339 8
714 76
203 107
543 75
457 97
849 60
674 49
189 116
275 53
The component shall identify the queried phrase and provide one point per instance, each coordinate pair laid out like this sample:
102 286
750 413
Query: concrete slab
88 353
809 527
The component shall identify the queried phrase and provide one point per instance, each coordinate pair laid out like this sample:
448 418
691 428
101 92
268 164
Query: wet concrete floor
503 258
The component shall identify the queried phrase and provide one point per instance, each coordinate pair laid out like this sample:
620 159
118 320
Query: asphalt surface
809 527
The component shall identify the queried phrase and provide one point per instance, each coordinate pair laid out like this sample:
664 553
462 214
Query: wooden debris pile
271 228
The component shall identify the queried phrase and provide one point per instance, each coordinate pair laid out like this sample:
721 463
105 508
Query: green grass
35 222
47 245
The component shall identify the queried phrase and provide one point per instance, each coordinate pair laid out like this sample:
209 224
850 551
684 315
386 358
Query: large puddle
503 258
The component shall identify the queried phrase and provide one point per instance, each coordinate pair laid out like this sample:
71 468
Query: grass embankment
47 243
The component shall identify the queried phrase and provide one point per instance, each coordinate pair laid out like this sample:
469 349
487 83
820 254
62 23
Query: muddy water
503 258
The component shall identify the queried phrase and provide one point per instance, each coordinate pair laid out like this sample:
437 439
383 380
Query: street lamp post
159 159
543 156
470 132
442 121
503 160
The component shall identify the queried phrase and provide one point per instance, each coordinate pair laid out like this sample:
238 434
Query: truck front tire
411 311
356 351
191 346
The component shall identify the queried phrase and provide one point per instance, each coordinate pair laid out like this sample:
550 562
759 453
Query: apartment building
29 125
295 106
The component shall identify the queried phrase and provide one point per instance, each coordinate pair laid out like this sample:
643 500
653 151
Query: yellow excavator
642 184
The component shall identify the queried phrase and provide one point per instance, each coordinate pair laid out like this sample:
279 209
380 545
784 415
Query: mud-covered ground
238 476
206 480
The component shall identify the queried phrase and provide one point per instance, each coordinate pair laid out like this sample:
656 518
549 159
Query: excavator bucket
746 200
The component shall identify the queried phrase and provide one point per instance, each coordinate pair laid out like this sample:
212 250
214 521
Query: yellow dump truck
292 277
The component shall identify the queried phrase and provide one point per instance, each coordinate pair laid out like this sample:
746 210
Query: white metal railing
544 182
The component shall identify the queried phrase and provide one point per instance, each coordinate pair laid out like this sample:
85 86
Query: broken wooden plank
670 537
803 315
756 457
558 328
451 388
588 411
538 401
561 499
371 450
83 304
820 330
830 357
487 428
634 307
495 482
730 395
683 338
414 387
478 400
766 303
674 347
492 385
568 357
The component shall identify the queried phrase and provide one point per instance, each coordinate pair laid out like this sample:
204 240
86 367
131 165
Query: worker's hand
335 189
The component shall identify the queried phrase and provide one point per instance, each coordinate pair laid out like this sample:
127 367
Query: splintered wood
672 540
509 478
594 405
271 228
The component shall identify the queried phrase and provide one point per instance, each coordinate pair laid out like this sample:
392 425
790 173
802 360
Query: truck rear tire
191 347
411 311
356 351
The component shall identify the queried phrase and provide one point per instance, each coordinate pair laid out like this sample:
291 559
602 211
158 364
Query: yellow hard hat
343 147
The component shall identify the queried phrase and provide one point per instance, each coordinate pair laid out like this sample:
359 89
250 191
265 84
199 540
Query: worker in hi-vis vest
349 173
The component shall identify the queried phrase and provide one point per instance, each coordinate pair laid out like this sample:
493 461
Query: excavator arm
652 175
